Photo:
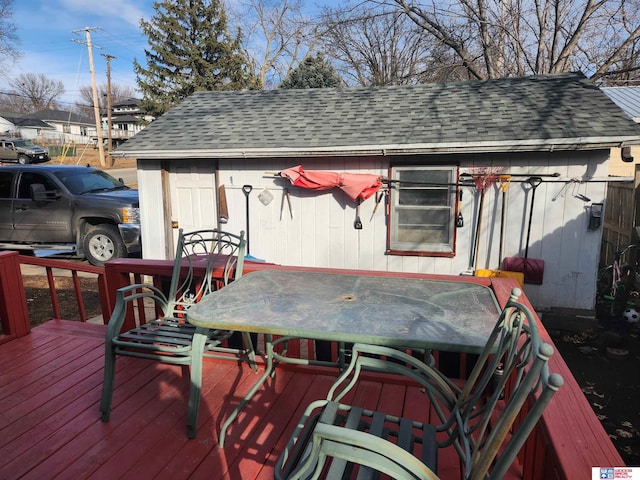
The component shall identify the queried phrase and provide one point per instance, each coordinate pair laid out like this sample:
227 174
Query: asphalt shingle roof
61 116
24 121
536 112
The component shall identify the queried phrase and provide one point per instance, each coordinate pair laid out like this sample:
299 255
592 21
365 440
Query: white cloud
129 11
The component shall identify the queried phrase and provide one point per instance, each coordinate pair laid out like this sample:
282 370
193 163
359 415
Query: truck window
28 178
6 179
79 182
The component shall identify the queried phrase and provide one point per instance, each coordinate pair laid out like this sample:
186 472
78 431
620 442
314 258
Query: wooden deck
50 388
51 380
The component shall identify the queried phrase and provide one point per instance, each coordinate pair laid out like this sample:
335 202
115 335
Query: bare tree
278 36
376 47
32 92
9 101
520 37
14 103
8 36
119 93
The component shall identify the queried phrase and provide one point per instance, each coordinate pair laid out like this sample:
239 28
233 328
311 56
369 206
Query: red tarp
355 185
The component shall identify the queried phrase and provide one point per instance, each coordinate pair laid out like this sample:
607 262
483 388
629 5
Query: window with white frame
423 202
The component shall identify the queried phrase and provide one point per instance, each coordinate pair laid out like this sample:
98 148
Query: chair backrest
205 260
510 381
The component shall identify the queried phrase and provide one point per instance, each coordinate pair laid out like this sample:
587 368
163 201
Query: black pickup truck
74 209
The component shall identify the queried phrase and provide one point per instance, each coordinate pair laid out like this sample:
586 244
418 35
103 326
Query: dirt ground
39 302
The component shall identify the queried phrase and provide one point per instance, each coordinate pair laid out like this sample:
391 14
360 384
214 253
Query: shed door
193 195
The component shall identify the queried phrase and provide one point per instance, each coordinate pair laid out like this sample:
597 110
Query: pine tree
312 72
190 49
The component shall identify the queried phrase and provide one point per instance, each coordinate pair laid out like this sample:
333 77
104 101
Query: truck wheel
23 159
101 244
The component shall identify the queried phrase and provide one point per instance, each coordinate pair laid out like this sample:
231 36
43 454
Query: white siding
322 234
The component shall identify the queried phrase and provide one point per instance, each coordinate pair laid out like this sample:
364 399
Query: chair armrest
128 294
363 449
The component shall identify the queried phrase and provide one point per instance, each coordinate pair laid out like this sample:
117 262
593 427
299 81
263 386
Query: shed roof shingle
536 112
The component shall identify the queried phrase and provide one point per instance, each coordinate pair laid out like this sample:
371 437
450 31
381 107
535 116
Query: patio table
452 315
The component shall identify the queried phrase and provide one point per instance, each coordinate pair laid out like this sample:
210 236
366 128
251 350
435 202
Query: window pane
29 178
6 178
415 196
423 226
425 176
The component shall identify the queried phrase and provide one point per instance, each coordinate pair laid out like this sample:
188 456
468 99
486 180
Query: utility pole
94 88
109 135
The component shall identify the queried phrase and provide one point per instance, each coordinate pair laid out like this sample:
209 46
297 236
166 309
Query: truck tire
101 244
23 159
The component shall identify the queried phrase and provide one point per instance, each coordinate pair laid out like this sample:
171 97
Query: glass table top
454 315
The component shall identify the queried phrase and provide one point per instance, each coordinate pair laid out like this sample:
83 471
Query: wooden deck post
14 314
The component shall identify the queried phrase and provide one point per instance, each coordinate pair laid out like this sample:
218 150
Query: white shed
425 142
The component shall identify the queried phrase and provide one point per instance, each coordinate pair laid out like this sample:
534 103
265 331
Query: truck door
8 151
6 206
42 221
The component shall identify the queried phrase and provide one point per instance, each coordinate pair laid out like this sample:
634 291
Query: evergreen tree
190 50
312 72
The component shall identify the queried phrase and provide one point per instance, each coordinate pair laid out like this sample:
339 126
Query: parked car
22 151
65 208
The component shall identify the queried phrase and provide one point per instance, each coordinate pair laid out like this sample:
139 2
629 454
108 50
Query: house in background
628 99
431 145
64 127
127 119
16 125
48 126
68 127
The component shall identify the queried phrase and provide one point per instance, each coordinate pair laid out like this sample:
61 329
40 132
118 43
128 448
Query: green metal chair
509 381
205 260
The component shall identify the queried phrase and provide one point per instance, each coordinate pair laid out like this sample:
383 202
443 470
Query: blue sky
46 32
52 40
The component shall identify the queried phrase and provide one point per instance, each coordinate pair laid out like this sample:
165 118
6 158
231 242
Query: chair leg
109 380
197 350
250 348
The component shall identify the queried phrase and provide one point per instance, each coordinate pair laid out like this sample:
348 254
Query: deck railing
566 443
14 314
55 269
